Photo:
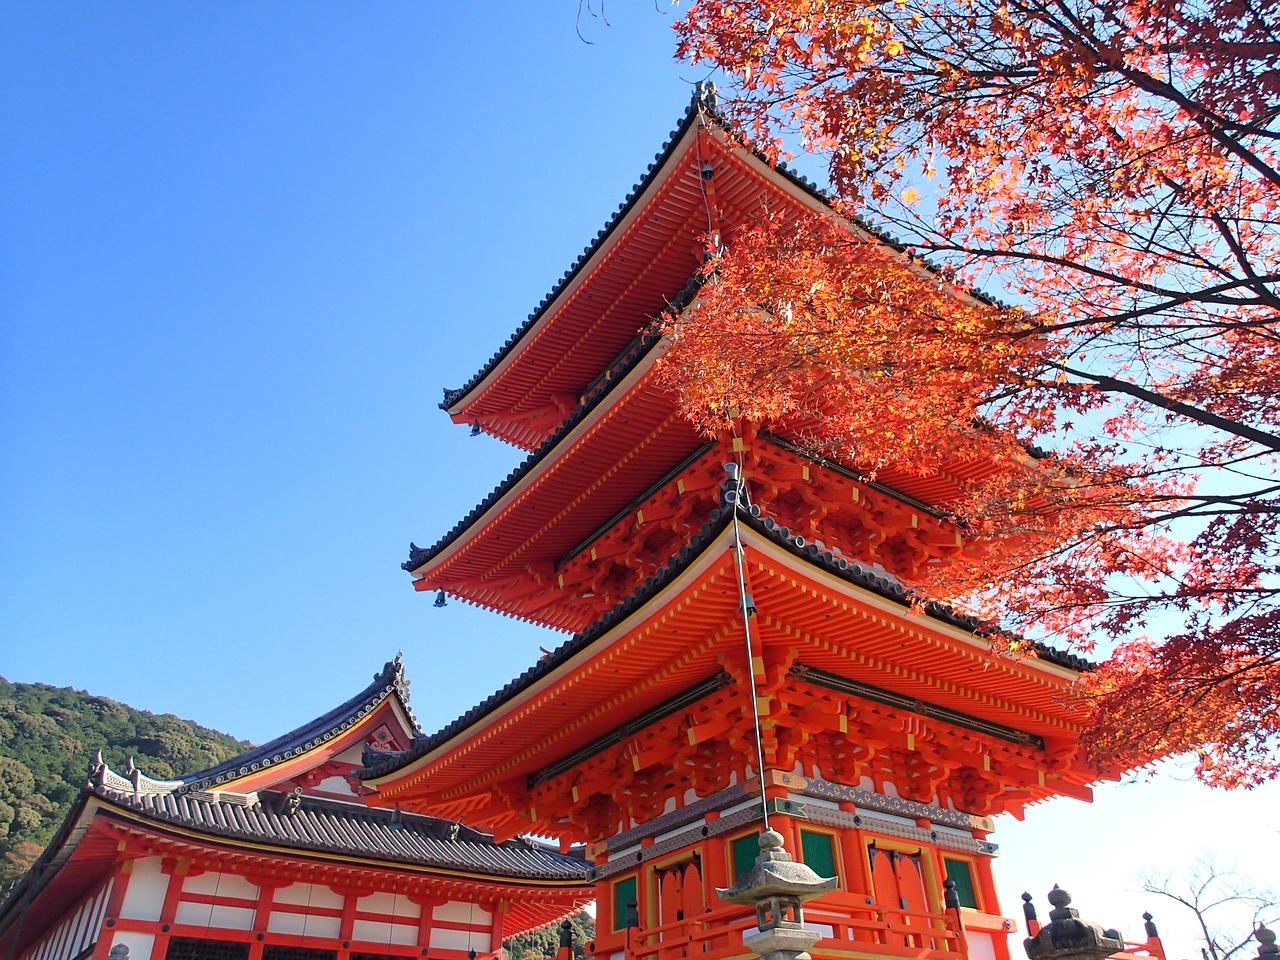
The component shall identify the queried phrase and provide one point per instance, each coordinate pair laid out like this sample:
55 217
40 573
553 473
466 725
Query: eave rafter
856 518
635 668
656 253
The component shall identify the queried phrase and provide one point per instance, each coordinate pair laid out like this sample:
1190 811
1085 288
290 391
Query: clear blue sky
242 249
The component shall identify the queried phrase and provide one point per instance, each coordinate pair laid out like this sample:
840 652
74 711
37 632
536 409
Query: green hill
48 735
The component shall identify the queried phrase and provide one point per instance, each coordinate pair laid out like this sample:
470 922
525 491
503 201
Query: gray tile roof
350 829
389 681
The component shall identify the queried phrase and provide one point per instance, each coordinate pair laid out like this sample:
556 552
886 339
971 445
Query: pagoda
741 646
273 855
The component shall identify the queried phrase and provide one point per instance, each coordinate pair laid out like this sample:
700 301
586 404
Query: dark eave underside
605 384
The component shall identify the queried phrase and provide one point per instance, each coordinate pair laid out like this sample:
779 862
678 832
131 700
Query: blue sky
242 249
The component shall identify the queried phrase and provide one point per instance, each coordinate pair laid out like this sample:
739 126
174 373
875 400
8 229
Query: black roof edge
704 104
851 571
604 385
701 104
390 680
718 520
436 828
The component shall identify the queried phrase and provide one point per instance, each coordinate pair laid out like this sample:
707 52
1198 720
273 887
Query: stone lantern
1267 949
1067 937
776 886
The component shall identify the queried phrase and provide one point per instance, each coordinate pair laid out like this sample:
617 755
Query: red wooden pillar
176 870
114 901
262 916
986 880
495 929
426 904
715 863
347 925
854 853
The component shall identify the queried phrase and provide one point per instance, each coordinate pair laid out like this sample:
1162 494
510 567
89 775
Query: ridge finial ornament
1267 949
704 96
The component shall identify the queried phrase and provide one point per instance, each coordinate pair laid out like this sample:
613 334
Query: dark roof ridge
389 681
716 522
702 104
891 588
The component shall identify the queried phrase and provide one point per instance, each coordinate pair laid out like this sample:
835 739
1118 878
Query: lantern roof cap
776 874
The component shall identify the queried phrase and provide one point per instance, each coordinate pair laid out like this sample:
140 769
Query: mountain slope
48 735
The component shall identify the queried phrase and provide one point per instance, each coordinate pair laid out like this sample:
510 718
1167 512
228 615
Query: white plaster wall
389 903
214 915
291 923
313 894
322 927
353 755
456 912
221 884
376 932
232 918
336 785
196 914
144 896
458 940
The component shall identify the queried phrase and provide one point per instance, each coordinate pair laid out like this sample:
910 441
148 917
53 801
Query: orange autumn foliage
1111 168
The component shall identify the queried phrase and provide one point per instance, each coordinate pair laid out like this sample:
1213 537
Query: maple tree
1111 167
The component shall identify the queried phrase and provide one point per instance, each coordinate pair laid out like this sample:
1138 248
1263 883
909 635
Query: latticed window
188 948
818 851
958 870
274 952
624 894
744 851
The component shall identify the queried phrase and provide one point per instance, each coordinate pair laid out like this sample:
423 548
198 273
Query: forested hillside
48 735
545 941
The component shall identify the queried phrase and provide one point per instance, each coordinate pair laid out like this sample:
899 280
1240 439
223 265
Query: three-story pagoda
702 601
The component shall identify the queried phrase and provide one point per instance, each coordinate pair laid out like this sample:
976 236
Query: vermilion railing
848 921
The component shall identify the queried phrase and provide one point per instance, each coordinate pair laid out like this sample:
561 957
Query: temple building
274 855
741 646
741 653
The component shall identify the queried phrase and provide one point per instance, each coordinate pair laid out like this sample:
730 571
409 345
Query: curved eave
423 560
45 871
463 404
563 662
1045 676
284 753
626 278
